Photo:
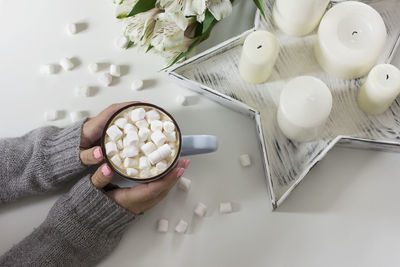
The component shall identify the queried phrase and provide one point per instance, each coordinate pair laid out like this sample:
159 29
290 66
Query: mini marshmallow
129 127
116 160
156 125
130 163
138 114
76 115
132 172
154 171
184 184
200 209
115 70
111 149
152 115
121 42
105 79
93 67
225 207
120 145
171 137
148 148
66 64
161 166
245 160
48 69
144 134
51 115
114 132
158 138
121 123
160 154
144 163
142 124
165 151
168 126
144 173
162 226
72 28
182 100
181 227
82 91
137 85
132 138
130 151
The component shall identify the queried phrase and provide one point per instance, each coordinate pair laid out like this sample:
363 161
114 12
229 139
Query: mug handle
198 144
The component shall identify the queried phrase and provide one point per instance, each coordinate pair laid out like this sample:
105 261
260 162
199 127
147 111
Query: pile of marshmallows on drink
350 39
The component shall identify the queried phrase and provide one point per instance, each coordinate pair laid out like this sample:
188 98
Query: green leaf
149 48
130 44
260 6
142 6
208 22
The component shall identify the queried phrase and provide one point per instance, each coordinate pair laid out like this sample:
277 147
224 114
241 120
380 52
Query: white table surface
345 213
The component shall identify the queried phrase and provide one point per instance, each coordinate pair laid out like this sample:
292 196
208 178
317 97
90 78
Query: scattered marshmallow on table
114 132
72 28
76 115
181 227
115 70
66 64
111 149
182 100
93 67
82 91
48 69
138 114
121 42
245 160
225 207
51 115
200 209
162 226
137 85
184 184
105 79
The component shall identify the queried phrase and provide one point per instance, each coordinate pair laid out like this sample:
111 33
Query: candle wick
387 76
355 32
259 46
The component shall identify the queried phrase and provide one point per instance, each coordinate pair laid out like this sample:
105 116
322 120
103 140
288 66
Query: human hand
142 197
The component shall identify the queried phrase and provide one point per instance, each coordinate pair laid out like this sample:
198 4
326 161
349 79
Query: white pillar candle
351 36
305 105
380 89
260 51
299 17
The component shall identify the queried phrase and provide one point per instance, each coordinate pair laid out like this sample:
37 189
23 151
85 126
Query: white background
345 213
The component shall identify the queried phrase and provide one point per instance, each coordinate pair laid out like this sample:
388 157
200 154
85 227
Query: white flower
124 7
186 8
220 9
139 28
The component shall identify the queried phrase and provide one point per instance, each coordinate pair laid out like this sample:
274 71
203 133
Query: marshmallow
129 127
200 209
148 148
184 184
171 137
144 134
225 207
120 145
93 67
169 126
105 79
162 226
137 85
144 163
181 227
158 138
154 171
138 114
76 115
72 28
116 160
131 139
114 132
132 172
144 173
142 124
245 160
182 100
66 64
165 151
111 149
115 70
152 115
130 163
130 151
160 154
82 91
48 69
121 42
162 165
156 125
121 123
51 115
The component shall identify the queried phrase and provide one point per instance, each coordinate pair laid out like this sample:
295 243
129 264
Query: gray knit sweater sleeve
42 160
82 228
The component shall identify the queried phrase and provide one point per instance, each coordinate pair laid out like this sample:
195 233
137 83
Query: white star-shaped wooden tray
214 73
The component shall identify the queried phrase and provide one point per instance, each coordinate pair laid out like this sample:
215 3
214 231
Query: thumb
91 156
102 176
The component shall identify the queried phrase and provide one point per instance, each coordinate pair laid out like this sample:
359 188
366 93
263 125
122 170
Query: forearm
39 161
82 228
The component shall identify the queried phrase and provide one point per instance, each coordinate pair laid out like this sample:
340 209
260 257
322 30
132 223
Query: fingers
102 176
91 156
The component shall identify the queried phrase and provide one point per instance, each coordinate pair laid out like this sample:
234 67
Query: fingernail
187 163
180 172
106 170
97 153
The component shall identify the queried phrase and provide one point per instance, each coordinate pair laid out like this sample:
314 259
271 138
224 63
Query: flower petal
220 8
